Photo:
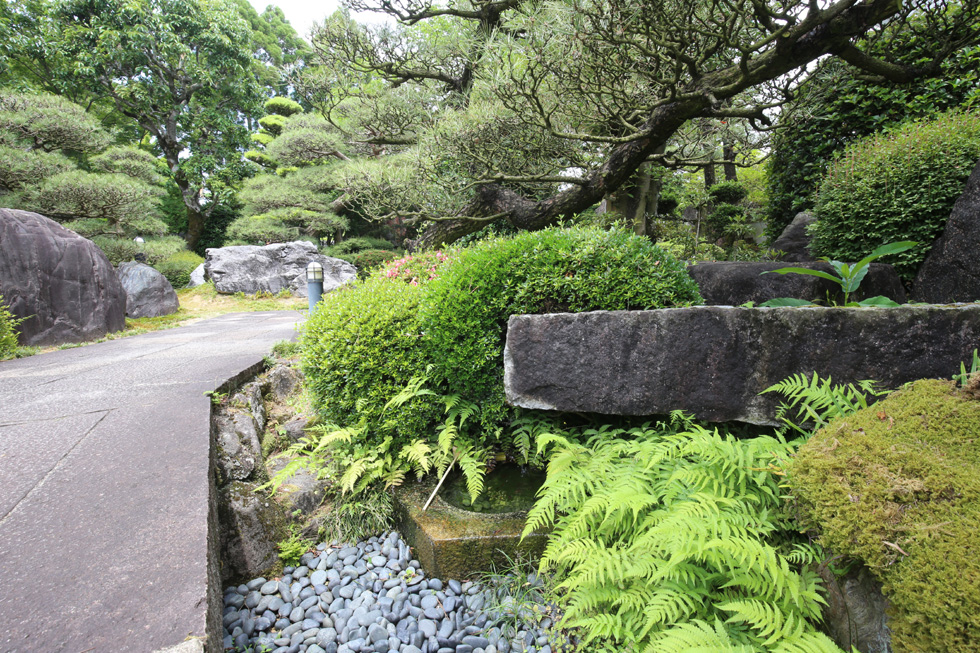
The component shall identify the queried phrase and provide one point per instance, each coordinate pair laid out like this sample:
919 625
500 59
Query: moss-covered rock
897 486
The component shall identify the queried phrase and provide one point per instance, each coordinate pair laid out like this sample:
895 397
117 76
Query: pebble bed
364 598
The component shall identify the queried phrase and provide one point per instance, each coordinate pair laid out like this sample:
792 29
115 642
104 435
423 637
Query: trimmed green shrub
361 347
8 331
359 244
178 267
409 363
894 187
368 260
728 192
835 107
897 487
465 314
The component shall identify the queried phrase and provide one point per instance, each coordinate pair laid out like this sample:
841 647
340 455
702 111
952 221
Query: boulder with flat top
250 269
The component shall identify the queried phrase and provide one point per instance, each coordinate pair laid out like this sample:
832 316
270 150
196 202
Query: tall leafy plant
847 276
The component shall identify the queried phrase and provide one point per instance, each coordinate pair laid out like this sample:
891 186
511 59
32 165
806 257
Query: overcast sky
303 13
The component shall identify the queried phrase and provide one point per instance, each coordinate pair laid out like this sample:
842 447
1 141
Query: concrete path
104 485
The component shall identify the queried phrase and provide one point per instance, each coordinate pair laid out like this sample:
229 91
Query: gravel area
364 598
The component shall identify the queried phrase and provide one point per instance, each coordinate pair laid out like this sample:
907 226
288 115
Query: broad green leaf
812 273
879 300
780 302
853 281
887 249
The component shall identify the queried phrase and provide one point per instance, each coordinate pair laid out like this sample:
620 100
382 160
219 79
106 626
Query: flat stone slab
104 485
713 361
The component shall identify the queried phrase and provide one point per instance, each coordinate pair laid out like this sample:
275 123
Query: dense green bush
368 260
834 107
8 331
436 323
178 267
728 192
465 314
894 187
360 348
359 244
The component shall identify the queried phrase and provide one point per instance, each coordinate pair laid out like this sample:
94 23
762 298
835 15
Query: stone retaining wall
713 361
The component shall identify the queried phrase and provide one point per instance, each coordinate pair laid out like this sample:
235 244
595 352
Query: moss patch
897 486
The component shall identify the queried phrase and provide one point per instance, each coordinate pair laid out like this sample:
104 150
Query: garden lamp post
140 255
314 283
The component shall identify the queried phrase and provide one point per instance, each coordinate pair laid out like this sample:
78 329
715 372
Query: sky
301 14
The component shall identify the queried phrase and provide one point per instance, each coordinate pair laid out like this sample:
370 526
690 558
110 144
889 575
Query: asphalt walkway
104 485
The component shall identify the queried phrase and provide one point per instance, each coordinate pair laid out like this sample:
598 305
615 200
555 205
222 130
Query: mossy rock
897 486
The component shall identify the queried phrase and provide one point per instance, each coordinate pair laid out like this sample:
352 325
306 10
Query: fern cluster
677 543
817 401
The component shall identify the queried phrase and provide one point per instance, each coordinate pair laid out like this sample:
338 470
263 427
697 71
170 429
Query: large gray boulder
794 242
148 293
951 271
713 361
62 283
271 268
732 283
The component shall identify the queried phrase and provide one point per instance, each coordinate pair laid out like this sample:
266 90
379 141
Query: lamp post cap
314 271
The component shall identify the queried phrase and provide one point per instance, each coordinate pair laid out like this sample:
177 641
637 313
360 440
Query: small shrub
724 215
464 316
361 347
728 192
8 331
368 260
359 244
178 267
119 250
416 269
893 187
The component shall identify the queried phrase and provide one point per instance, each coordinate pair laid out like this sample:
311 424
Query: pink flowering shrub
417 269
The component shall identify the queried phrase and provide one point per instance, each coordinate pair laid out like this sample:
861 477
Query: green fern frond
351 475
418 453
818 401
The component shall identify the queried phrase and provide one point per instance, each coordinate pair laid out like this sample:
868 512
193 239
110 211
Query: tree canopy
56 159
473 112
180 71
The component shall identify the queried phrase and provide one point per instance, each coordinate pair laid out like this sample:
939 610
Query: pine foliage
677 542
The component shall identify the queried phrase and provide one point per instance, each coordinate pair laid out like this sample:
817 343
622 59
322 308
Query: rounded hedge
898 186
464 316
362 346
444 317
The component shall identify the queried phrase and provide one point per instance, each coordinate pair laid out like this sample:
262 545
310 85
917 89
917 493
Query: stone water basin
452 541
